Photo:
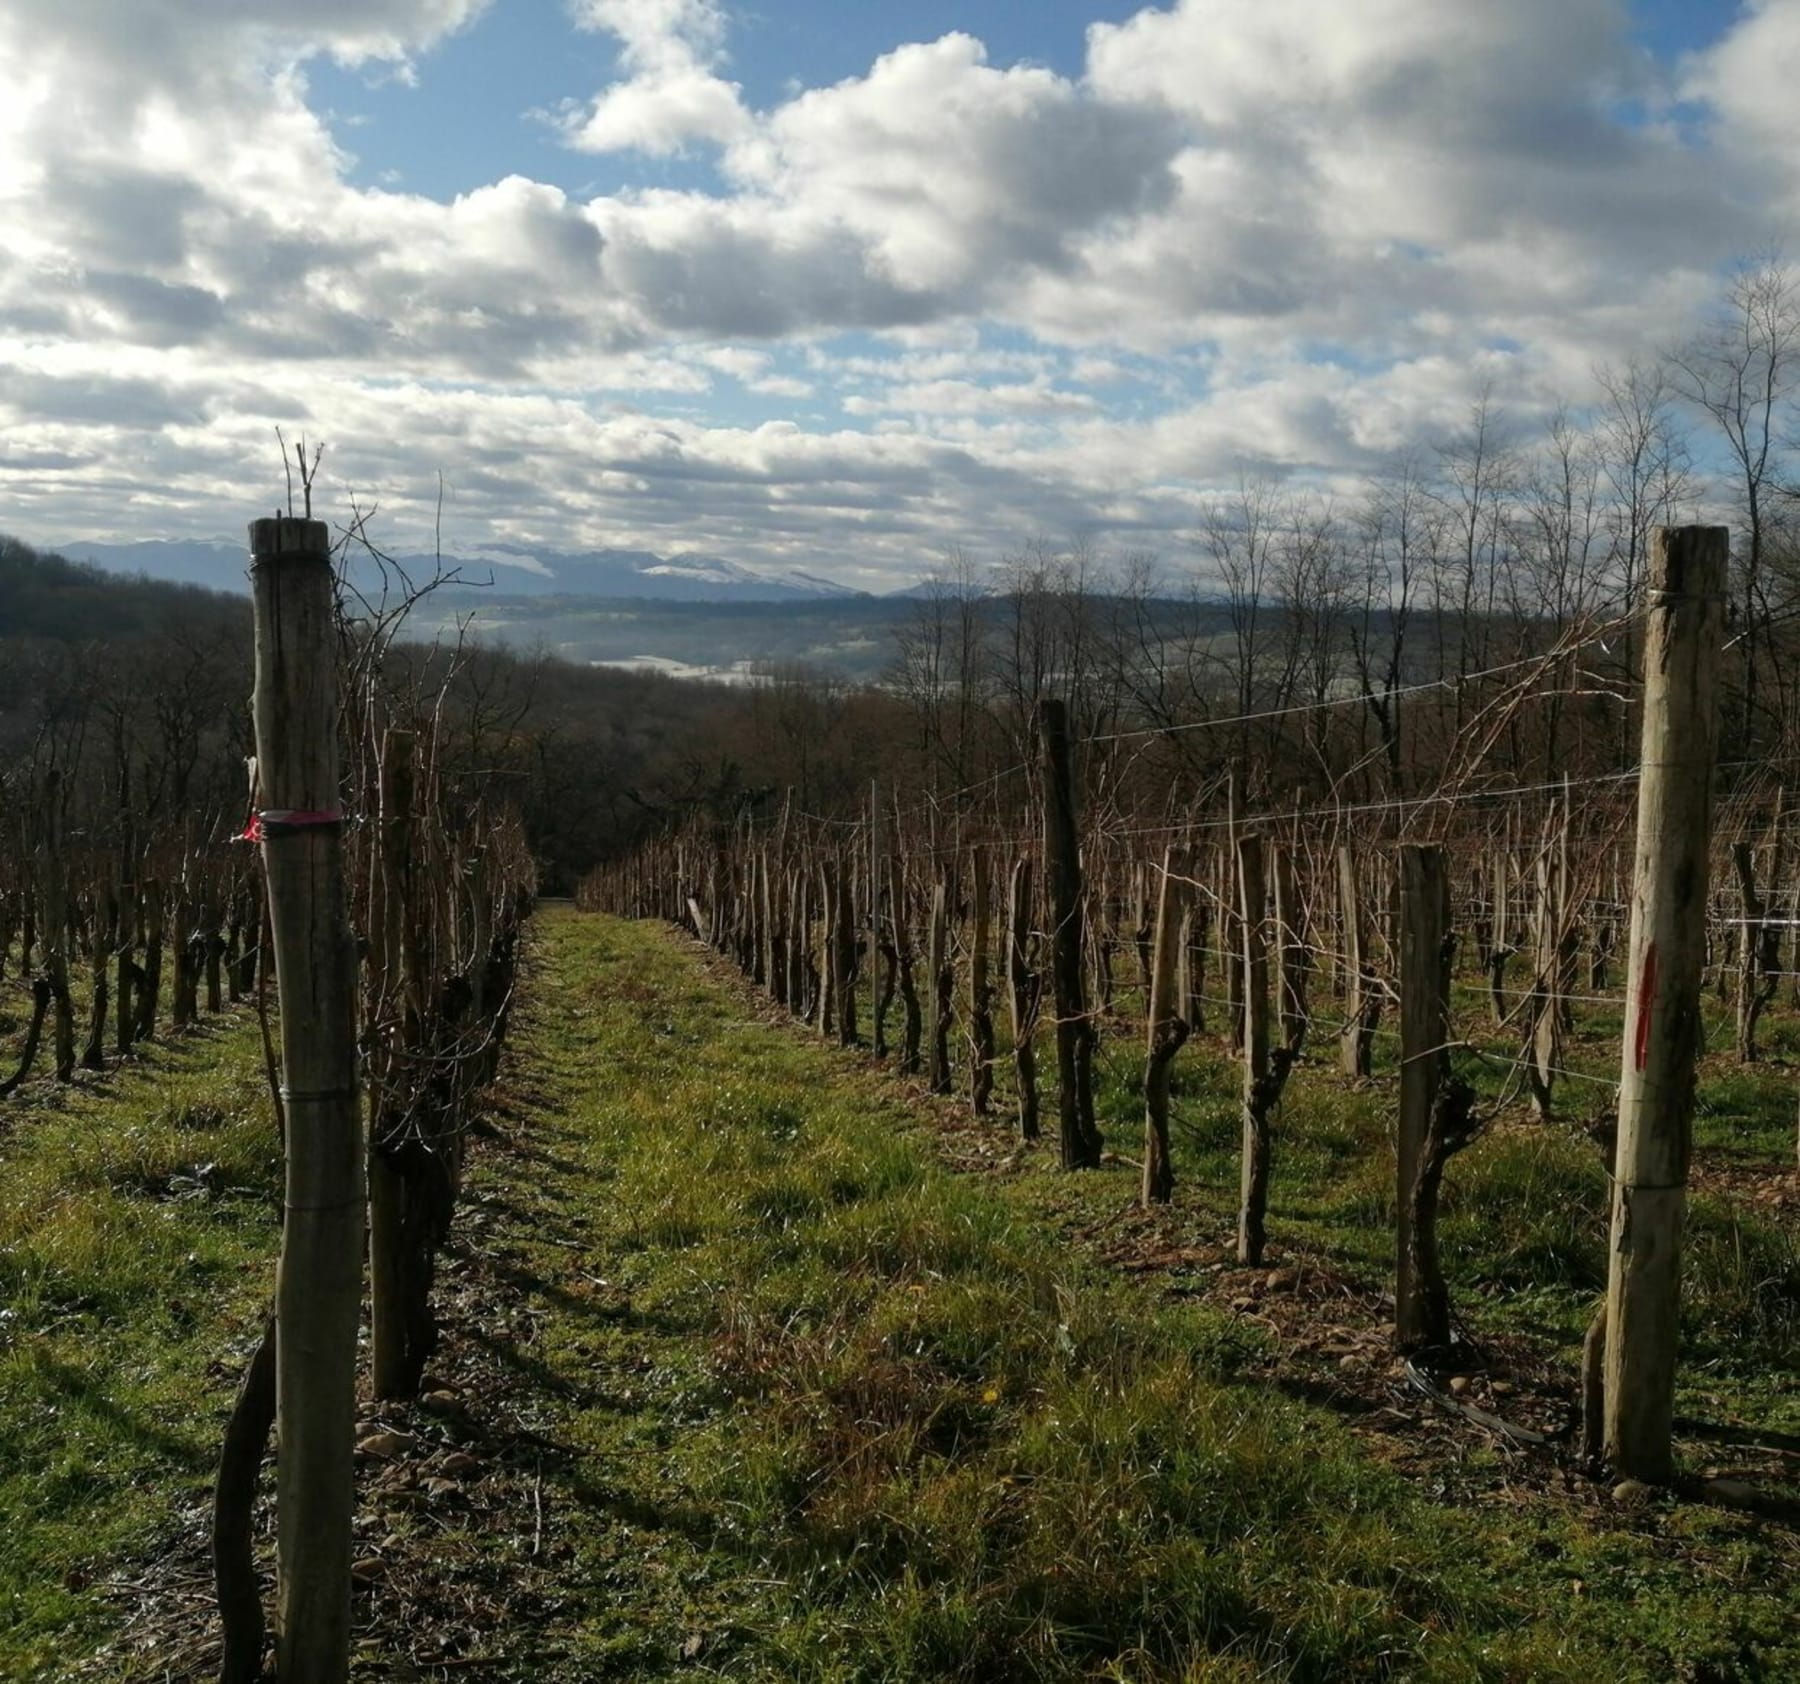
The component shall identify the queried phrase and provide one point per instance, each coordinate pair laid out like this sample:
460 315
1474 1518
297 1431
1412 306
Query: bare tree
1645 461
1741 372
1475 479
1397 532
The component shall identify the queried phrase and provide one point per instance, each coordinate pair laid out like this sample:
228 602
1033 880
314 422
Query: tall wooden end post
1684 618
319 1285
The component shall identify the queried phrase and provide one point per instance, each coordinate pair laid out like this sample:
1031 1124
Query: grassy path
742 1380
836 1412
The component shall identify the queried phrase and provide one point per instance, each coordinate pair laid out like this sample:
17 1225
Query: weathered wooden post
1261 1088
397 1354
843 948
943 986
981 993
1356 1040
1025 994
1290 934
1062 867
1684 602
1421 1302
1500 946
1192 981
795 903
827 948
1166 1029
912 1015
1759 948
124 1001
53 882
1544 1041
1230 924
318 1292
763 962
881 974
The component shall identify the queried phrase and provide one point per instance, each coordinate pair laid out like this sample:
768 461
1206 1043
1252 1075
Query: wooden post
912 1017
795 902
881 976
1357 1038
1166 1029
319 1285
53 882
1568 928
1685 615
1253 1182
1026 993
106 924
1230 899
127 971
1545 1038
1062 866
1759 947
1502 948
763 961
149 985
827 948
1421 1302
843 949
1290 934
394 1366
1143 934
981 993
943 987
1196 931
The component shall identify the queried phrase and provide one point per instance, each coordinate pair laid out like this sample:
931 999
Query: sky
838 286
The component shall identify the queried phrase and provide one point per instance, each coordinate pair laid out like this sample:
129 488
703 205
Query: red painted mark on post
1646 1000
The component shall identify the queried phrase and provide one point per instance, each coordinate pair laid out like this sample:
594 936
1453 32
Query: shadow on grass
135 1428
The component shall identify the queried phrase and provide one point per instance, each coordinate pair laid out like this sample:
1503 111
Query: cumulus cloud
672 93
1747 82
955 175
1299 231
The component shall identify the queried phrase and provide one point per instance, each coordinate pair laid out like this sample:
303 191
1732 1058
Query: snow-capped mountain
505 569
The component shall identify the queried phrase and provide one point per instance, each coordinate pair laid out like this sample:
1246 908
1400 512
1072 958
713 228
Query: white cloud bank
1301 231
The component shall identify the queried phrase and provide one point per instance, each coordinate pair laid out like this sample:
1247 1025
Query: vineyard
1242 920
1147 1210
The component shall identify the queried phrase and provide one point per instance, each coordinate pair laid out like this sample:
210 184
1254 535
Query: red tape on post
274 822
1646 1002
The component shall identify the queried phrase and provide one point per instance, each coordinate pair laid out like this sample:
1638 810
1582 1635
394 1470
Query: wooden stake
1166 1029
1430 1129
943 987
881 976
1356 1041
1062 865
843 949
394 1366
912 1015
1025 994
1291 936
1259 1092
1685 616
319 1285
981 993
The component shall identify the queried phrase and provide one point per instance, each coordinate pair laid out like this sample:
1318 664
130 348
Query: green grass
812 1406
136 1223
877 1421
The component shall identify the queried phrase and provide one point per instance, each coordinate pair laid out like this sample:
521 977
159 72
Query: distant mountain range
504 569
